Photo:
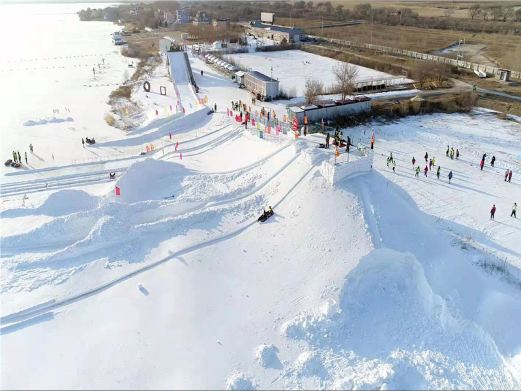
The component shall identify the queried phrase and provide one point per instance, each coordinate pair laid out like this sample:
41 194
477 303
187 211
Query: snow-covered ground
382 280
293 67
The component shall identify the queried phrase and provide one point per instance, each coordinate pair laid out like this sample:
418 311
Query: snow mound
239 381
267 356
151 180
61 203
65 202
50 120
390 330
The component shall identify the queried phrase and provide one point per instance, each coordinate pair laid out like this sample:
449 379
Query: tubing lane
10 321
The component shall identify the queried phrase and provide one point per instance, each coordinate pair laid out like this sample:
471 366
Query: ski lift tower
459 53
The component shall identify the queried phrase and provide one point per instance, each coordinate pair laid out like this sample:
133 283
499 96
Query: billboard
267 17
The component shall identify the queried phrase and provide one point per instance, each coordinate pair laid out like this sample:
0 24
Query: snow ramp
181 76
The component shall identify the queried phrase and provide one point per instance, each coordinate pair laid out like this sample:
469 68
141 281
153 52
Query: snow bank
358 164
390 330
65 202
239 381
60 203
50 120
151 179
267 356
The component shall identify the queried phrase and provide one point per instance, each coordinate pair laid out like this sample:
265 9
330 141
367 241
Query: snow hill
378 280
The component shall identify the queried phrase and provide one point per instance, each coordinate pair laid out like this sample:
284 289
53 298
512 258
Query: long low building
262 86
330 109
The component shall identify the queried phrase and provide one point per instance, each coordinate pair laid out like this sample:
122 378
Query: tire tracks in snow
9 322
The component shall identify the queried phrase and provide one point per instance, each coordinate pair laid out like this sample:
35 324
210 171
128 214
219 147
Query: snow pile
239 381
267 356
151 180
65 202
50 120
397 333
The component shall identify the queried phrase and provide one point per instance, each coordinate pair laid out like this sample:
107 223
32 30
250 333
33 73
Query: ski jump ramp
181 76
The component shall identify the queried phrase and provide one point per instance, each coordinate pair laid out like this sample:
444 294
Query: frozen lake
49 91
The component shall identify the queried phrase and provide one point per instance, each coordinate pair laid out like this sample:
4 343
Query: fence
420 56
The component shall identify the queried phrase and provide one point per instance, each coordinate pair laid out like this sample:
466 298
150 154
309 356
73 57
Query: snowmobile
265 215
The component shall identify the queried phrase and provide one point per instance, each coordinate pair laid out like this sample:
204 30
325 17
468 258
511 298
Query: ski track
10 321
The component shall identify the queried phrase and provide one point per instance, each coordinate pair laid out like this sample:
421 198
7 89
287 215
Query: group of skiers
508 172
512 214
450 152
17 157
429 164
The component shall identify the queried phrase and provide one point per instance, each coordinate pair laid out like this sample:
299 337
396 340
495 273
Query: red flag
118 191
295 123
176 145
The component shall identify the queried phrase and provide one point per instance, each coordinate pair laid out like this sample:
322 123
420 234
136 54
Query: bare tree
312 90
474 10
345 74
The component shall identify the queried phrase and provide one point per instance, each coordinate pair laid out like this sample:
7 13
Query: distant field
505 50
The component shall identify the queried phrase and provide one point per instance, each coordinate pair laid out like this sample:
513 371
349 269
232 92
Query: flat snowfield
293 67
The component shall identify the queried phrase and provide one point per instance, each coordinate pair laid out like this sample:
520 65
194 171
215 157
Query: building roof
262 76
273 27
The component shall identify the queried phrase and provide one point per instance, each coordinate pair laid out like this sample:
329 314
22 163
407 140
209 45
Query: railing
421 56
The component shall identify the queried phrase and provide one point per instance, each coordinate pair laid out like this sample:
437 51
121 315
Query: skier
20 158
450 177
426 157
215 107
413 161
493 211
433 161
438 171
457 153
506 175
484 156
509 174
388 161
327 140
347 147
83 142
417 171
514 208
430 164
492 161
452 153
25 157
447 151
482 163
372 141
425 170
201 72
31 147
394 166
15 157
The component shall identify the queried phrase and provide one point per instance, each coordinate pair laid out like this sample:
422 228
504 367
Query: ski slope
382 281
179 75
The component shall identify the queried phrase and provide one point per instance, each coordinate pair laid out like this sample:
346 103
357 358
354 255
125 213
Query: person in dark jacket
509 174
438 171
426 157
492 161
327 140
450 176
493 211
514 208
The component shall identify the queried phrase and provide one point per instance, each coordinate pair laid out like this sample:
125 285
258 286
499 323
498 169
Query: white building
262 86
